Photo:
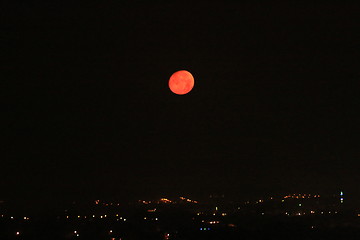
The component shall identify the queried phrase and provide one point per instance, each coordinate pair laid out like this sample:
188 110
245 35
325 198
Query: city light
165 200
214 222
213 216
303 196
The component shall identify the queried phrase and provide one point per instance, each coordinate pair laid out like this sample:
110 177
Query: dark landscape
294 216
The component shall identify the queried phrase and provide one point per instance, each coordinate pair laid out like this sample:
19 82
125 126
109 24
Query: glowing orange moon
181 82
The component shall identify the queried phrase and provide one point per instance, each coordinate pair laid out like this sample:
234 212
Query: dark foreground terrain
140 229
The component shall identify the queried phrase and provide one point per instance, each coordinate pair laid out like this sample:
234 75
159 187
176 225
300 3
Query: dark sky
87 110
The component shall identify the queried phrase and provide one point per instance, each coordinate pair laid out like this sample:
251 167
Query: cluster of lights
97 202
188 200
85 217
121 218
165 200
214 222
328 212
297 196
214 213
311 212
154 219
341 197
12 217
76 233
205 229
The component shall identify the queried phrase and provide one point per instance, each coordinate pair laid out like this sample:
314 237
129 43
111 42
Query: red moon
181 82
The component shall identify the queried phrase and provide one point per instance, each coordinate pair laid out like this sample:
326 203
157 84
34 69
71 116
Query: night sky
87 112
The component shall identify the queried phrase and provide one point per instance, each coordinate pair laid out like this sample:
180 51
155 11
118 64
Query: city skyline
297 214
